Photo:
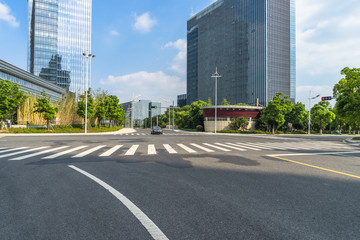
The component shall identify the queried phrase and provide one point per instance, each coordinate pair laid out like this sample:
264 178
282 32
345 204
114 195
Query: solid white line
311 154
151 149
132 150
243 146
37 154
186 148
64 152
217 147
201 147
149 225
169 149
13 149
26 151
224 145
110 151
83 154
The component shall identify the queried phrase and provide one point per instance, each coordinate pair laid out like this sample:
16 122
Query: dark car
156 130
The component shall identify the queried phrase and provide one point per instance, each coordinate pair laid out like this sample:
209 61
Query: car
156 130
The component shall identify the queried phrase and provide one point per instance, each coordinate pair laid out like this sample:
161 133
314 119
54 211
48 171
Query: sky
140 45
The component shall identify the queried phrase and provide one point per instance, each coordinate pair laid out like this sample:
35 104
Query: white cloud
179 62
144 22
114 33
5 14
327 41
152 86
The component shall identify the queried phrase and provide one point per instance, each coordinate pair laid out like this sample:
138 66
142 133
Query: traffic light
326 98
151 106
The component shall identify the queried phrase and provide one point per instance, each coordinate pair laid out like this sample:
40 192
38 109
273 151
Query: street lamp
216 76
88 57
309 123
168 101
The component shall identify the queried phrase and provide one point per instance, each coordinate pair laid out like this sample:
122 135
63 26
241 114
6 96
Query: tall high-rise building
59 32
252 44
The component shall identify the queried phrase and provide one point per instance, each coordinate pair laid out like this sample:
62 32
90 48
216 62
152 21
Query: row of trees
101 106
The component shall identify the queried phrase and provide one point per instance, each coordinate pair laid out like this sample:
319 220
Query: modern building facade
141 109
252 44
59 32
28 82
181 100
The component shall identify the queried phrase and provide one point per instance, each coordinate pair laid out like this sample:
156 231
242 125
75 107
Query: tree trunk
1 124
48 124
320 127
273 129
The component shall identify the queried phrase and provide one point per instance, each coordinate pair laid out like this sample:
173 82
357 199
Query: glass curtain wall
59 32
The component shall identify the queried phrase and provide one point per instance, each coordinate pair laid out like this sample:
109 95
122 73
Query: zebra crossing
103 151
148 134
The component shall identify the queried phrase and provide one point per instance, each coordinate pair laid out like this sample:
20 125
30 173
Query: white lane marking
143 134
243 146
169 149
2 148
13 149
149 225
217 147
21 152
272 146
232 147
151 149
83 154
64 152
132 134
110 151
38 153
201 147
186 148
126 134
132 150
138 134
259 146
311 154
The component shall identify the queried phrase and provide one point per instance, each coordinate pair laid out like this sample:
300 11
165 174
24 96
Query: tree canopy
322 114
44 107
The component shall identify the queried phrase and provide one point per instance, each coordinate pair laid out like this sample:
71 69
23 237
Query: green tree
298 116
225 102
82 105
100 111
209 102
239 123
274 114
114 111
196 116
44 107
322 114
347 93
10 98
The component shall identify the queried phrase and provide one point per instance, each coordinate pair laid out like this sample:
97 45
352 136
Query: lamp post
169 102
309 123
88 57
216 75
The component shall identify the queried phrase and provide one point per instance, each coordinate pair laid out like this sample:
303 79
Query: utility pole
216 75
309 123
86 82
173 126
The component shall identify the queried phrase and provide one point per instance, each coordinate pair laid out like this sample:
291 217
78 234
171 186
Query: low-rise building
226 113
29 82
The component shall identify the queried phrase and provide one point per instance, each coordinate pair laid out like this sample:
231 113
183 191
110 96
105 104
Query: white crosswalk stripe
257 145
186 148
217 147
232 147
243 146
151 149
143 134
64 152
201 147
132 150
83 154
13 149
37 154
21 152
169 149
110 151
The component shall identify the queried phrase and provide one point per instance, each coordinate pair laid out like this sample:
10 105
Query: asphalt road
179 186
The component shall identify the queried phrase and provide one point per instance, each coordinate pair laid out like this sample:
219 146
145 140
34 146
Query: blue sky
140 45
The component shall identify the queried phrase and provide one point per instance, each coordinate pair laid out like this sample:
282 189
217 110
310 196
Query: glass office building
59 32
252 43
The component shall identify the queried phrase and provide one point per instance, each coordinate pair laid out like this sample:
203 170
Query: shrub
199 128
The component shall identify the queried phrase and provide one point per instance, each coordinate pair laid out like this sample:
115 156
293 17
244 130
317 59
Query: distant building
252 43
59 32
226 113
142 109
181 100
28 82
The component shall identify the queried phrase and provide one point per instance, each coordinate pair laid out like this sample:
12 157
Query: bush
356 138
199 128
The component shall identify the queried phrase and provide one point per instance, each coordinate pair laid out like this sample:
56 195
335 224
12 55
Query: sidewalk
122 131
